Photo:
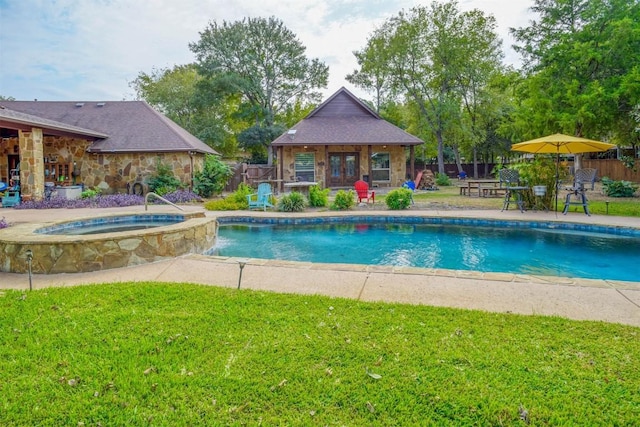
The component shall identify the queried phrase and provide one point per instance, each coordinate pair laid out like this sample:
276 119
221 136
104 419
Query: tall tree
264 62
580 60
430 54
373 74
176 93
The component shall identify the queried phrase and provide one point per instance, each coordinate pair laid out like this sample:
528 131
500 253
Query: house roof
121 126
20 121
344 119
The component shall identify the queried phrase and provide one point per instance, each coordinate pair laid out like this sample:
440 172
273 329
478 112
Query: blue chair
410 185
11 197
262 198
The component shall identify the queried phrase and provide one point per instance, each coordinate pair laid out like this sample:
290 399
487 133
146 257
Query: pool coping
420 218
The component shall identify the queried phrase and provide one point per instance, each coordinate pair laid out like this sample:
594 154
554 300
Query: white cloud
91 49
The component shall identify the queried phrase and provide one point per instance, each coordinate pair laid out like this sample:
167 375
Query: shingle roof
131 126
344 119
23 121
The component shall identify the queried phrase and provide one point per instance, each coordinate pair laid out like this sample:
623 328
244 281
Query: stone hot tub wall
73 254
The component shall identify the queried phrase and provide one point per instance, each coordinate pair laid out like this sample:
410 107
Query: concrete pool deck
580 299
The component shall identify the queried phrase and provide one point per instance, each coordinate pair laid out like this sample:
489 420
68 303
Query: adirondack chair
11 197
261 199
410 185
363 193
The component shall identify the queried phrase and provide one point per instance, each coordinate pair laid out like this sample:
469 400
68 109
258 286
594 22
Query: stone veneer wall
109 172
73 254
397 155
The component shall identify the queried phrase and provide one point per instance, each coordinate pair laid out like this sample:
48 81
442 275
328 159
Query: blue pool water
111 224
536 251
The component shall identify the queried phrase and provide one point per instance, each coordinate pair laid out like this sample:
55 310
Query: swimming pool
534 248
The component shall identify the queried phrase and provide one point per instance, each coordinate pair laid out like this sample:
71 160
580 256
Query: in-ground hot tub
112 242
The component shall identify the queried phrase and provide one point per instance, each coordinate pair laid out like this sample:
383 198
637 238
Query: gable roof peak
343 103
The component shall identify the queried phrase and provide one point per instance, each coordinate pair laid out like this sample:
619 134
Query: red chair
363 193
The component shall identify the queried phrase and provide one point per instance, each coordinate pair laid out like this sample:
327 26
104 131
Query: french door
343 169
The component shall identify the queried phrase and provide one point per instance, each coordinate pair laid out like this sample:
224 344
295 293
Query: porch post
31 164
369 167
412 162
327 167
280 171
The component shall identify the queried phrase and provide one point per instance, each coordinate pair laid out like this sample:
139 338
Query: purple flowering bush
3 223
182 196
106 201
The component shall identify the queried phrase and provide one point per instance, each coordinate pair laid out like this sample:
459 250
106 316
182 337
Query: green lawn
158 354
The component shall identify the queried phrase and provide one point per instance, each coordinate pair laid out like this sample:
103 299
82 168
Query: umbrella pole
557 178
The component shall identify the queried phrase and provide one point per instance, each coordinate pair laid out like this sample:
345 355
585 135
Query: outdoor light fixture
29 254
241 263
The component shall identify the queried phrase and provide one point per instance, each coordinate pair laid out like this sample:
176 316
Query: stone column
31 164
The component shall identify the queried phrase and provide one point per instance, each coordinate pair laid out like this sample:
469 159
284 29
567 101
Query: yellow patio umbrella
559 143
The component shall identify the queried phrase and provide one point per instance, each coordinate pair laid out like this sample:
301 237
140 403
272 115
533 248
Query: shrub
3 223
344 200
181 196
102 201
163 181
234 201
399 198
212 178
539 171
318 198
442 179
292 202
225 204
618 188
90 193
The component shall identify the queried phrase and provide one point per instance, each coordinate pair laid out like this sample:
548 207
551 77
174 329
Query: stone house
344 140
113 146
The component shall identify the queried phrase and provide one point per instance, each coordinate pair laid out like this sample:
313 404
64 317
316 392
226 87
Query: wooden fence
614 169
251 175
611 168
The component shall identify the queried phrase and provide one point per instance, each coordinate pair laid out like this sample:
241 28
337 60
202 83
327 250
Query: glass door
343 169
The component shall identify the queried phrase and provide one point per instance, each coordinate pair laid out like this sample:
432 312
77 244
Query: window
381 167
305 167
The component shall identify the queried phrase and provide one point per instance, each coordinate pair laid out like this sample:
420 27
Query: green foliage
318 198
292 202
235 201
163 181
440 59
257 139
442 179
136 354
181 94
629 162
579 62
212 178
261 60
541 170
90 193
618 188
225 204
344 200
398 199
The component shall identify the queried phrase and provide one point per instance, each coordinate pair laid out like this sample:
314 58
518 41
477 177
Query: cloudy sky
89 50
